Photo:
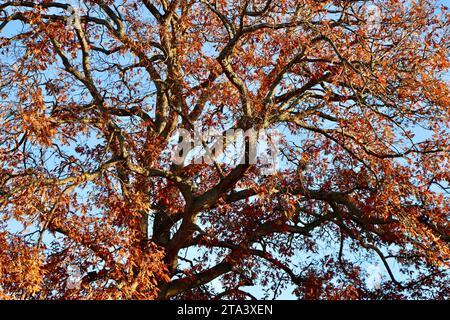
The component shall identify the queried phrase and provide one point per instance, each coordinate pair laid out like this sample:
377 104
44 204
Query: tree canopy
93 91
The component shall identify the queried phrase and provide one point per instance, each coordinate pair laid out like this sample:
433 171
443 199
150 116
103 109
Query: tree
93 93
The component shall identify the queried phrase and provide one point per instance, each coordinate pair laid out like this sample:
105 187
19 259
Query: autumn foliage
92 91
